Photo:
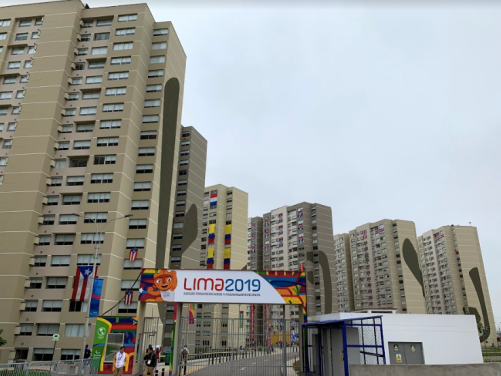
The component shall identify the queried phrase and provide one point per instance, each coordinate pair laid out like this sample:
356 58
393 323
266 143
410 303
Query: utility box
405 353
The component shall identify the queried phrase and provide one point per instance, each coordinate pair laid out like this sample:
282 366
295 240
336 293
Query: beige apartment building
454 276
343 273
90 109
385 267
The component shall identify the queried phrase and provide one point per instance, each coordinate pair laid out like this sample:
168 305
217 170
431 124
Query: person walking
184 357
87 354
120 358
150 360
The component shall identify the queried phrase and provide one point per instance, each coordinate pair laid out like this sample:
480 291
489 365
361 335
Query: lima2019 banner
223 286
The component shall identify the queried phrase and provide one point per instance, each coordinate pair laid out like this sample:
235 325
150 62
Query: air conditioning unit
53 163
22 306
79 37
40 220
70 81
17 330
45 201
56 145
48 181
63 112
81 23
66 96
73 66
27 284
32 261
75 51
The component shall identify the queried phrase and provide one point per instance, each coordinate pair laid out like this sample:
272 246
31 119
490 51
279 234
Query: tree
2 341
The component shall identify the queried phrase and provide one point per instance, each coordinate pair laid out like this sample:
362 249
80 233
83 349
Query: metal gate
151 326
231 346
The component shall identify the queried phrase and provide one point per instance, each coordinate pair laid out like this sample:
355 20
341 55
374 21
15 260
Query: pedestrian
87 354
150 361
157 353
120 358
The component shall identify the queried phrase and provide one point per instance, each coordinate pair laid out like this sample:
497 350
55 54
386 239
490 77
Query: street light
96 252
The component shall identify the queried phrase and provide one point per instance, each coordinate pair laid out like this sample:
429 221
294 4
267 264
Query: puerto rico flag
266 222
133 254
300 212
128 298
81 289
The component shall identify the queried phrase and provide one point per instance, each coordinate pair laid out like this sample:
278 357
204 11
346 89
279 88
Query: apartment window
92 238
40 354
48 219
184 162
122 308
65 239
4 23
181 192
73 96
98 64
91 95
47 329
40 261
135 224
158 32
56 282
106 22
129 31
88 111
9 80
14 65
22 36
4 111
88 260
70 354
127 17
105 159
56 181
101 36
136 264
64 145
142 187
52 305
148 135
123 46
84 128
144 169
159 45
69 112
74 330
110 124
36 282
71 199
60 163
82 51
183 172
16 110
26 330
184 153
150 119
25 23
152 103
118 76
129 285
180 203
81 145
116 91
43 240
146 152
32 50
94 79
60 260
157 59
113 107
179 214
6 95
3 36
156 73
140 205
79 66
153 88
96 198
177 236
68 219
28 64
76 81
107 141
182 182
35 35
85 38
135 243
38 21
120 60
185 143
15 50
101 178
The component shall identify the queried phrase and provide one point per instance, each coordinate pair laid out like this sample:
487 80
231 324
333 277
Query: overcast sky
376 111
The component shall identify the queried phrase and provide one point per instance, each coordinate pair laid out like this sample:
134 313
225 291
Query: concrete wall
444 370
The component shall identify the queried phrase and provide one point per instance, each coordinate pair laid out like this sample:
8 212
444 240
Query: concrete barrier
493 369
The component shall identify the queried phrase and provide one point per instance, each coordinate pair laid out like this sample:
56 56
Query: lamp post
96 253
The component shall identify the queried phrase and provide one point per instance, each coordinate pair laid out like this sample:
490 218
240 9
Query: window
135 243
92 238
4 23
118 76
70 354
60 163
9 80
3 111
121 60
79 66
68 219
52 200
28 64
127 17
158 32
184 162
6 95
98 64
22 36
74 330
105 159
135 224
47 329
25 23
101 36
122 308
16 110
56 181
82 51
156 73
24 79
91 94
153 88
184 153
140 205
67 128
94 79
183 172
110 124
88 111
181 192
116 91
81 145
142 187
88 260
100 217
159 45
11 127
150 119
40 260
113 107
14 65
35 35
36 282
65 239
152 103
136 264
130 31
185 143
107 141
32 50
123 46
72 199
130 285
157 59
43 354
48 219
73 96
56 282
95 198
83 128
146 152
101 178
38 21
52 305
64 145
85 38
76 81
26 330
178 225
144 169
43 240
106 22
15 50
180 203
7 144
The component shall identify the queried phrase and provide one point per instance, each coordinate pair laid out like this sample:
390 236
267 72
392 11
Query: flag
301 267
95 298
128 297
133 254
191 313
80 288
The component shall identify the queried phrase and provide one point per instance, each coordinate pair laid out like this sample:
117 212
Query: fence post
28 369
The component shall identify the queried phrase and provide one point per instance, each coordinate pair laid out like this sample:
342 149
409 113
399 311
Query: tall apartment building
343 273
90 108
385 267
255 243
224 246
454 275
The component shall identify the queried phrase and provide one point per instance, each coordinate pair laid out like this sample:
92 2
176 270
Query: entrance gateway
247 350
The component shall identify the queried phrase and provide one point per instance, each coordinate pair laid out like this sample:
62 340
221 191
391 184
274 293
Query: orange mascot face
165 281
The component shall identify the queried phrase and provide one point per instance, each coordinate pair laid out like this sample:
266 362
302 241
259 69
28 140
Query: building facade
90 108
454 276
343 273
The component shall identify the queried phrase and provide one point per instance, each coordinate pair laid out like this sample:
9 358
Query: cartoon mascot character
164 284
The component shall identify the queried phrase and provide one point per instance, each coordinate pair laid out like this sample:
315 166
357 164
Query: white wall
446 339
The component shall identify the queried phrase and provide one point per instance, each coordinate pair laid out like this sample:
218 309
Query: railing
52 368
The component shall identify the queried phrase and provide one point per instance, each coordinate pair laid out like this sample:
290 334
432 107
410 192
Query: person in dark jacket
150 360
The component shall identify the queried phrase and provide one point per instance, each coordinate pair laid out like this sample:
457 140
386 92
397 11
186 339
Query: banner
95 299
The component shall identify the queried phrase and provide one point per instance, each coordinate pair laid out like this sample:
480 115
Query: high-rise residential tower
343 275
90 108
454 276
